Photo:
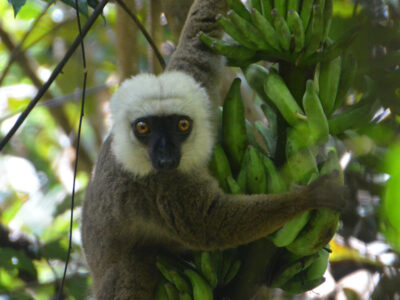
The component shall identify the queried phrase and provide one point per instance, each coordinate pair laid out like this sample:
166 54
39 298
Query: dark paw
328 192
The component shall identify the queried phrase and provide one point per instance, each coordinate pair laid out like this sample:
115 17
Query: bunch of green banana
296 274
175 285
183 281
217 267
282 29
290 267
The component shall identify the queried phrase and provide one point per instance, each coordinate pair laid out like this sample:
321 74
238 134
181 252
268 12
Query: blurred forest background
36 167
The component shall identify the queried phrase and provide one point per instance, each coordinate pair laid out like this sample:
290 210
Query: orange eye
142 127
183 125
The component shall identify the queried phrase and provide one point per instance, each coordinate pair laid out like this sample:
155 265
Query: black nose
166 163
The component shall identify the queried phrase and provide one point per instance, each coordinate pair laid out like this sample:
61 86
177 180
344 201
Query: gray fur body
126 221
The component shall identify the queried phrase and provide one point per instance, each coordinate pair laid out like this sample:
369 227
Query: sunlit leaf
12 210
9 280
390 206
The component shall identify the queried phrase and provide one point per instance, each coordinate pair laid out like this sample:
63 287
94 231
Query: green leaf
55 249
390 205
78 287
17 5
11 259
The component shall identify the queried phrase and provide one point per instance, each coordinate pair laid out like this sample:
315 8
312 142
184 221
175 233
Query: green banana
347 75
301 162
255 172
317 233
256 4
234 187
282 29
328 83
234 126
240 9
275 182
267 6
230 28
280 6
314 32
255 76
242 177
163 270
306 12
317 269
161 293
219 166
267 136
328 13
228 49
233 270
316 117
201 289
185 296
289 270
208 270
293 5
297 285
251 32
180 282
266 29
276 89
296 27
172 292
288 233
352 117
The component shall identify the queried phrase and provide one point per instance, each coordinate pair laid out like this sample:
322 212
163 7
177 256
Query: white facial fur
149 95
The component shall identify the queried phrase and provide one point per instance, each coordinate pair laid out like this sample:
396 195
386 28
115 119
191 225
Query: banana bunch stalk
289 30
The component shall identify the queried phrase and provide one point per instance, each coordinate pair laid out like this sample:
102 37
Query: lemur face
162 123
163 136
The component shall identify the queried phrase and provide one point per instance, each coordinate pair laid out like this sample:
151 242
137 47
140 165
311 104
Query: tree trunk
127 46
